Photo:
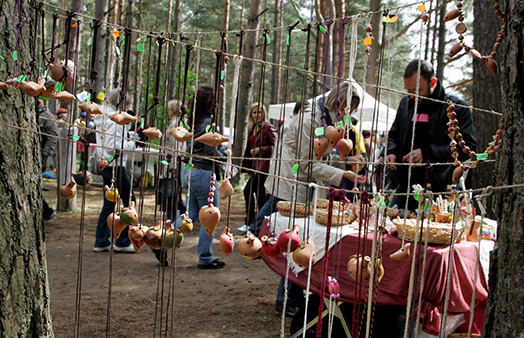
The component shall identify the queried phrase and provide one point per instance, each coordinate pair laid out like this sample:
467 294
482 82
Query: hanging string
308 284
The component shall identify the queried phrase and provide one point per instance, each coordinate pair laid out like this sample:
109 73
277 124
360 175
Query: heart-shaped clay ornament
209 216
226 189
180 134
333 134
320 145
344 147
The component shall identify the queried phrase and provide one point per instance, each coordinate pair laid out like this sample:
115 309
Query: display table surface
393 288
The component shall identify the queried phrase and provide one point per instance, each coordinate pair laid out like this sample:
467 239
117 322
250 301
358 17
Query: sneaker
242 229
48 218
124 249
102 248
291 310
216 264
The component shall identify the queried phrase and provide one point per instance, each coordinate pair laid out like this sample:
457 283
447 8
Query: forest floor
237 301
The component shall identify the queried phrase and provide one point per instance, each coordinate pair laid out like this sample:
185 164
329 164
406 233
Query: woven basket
337 219
284 208
439 233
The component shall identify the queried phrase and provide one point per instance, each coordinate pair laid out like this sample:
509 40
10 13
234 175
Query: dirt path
237 301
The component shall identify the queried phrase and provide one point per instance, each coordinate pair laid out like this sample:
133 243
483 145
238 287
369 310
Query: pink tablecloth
393 289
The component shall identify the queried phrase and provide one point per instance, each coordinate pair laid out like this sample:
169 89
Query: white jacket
109 136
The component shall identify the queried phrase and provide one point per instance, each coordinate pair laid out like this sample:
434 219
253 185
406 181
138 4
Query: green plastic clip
287 41
189 166
140 47
295 168
117 51
347 119
208 129
222 74
124 41
268 39
340 123
482 156
164 162
59 86
110 158
90 41
319 131
88 98
76 137
15 55
142 123
417 197
185 125
322 29
2 58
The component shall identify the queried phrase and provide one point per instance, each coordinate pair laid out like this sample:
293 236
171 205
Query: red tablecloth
393 288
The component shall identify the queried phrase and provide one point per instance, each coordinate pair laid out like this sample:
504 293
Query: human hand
391 158
417 156
255 151
361 179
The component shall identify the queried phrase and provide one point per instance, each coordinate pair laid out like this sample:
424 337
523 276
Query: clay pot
31 88
455 49
83 179
153 133
180 134
452 15
3 85
64 96
320 145
186 225
270 247
226 189
153 238
250 246
128 215
364 264
344 147
288 235
68 190
333 134
63 72
90 108
137 232
122 118
209 216
102 164
212 139
111 194
113 222
173 238
492 65
302 253
226 242
401 254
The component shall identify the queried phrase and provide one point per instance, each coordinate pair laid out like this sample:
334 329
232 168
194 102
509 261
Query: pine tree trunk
505 307
24 290
172 74
376 23
276 72
101 14
441 43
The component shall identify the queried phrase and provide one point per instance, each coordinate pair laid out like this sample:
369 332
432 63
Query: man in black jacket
431 140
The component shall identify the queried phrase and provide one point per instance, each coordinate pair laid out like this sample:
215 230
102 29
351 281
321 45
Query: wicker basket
342 219
439 233
284 208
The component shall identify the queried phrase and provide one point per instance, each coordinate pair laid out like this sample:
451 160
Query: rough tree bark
277 53
376 23
101 9
24 291
505 307
172 74
441 43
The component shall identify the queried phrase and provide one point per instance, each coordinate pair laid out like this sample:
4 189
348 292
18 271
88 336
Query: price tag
76 137
189 166
268 39
222 75
482 156
287 41
322 29
90 41
208 129
59 86
124 41
110 158
340 124
140 47
347 119
164 162
15 55
295 168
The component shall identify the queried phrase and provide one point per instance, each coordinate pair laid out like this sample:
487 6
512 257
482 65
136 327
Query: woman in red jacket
261 139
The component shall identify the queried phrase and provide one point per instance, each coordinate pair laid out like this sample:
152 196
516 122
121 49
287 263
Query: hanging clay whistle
122 118
64 96
455 49
114 224
180 134
401 254
49 90
68 190
90 108
136 234
344 147
153 237
111 194
31 88
102 164
302 253
379 270
3 85
250 247
452 15
128 215
226 242
457 173
289 235
334 288
333 134
173 238
226 189
212 139
491 64
320 145
270 246
63 72
209 216
153 133
83 179
475 54
186 225
13 82
356 263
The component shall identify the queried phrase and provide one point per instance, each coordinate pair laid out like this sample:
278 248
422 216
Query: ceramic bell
402 254
173 238
180 134
333 134
68 190
226 189
344 147
226 242
186 225
83 179
153 133
63 72
250 246
320 145
288 235
64 96
209 216
302 253
111 194
122 118
212 139
113 222
270 247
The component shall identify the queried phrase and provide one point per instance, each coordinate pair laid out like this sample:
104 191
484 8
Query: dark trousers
254 188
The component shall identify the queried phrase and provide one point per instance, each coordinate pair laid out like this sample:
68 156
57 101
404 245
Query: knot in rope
339 193
332 191
364 197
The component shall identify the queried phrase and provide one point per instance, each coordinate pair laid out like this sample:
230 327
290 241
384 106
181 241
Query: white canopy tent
383 119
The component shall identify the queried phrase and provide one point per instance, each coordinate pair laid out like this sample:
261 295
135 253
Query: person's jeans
254 188
269 207
197 198
295 295
122 183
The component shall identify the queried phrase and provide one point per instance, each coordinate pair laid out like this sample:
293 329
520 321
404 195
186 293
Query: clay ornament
491 64
102 164
111 194
114 224
334 288
455 49
344 147
136 234
250 247
68 190
226 242
333 134
186 225
170 241
363 263
64 96
13 82
90 108
452 15
270 247
128 215
212 139
180 134
402 254
302 253
3 85
153 238
83 179
320 145
153 133
289 235
31 88
226 189
122 118
209 216
63 72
